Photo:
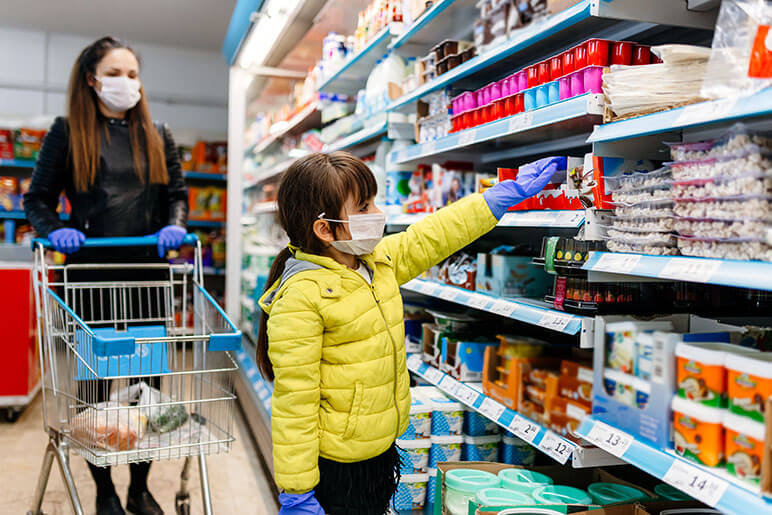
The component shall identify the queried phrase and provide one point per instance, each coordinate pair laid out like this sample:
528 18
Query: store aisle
237 480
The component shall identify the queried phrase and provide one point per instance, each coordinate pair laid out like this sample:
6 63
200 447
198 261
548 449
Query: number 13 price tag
699 484
556 447
609 439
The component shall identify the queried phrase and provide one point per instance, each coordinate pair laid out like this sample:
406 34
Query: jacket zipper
393 345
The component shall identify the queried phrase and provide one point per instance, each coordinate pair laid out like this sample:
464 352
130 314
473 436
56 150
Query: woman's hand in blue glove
66 240
170 237
531 179
300 504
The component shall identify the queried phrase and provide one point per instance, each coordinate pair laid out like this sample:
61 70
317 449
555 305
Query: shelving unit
202 176
540 219
307 117
205 223
17 163
361 136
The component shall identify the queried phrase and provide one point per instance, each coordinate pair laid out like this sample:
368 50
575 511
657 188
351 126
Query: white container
420 418
414 455
445 448
447 416
481 448
411 492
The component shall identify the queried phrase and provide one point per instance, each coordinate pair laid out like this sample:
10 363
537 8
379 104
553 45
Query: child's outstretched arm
426 243
295 348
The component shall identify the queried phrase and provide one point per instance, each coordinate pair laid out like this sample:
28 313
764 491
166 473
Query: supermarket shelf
358 137
445 19
709 485
549 219
265 207
205 223
305 119
572 116
263 388
742 274
269 173
254 395
20 215
353 73
523 310
550 443
17 163
588 18
205 176
704 113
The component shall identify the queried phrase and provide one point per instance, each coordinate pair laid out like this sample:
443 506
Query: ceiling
194 24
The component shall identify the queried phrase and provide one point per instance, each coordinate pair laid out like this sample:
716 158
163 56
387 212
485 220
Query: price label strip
696 482
524 428
434 376
429 147
477 301
466 394
556 447
449 294
554 321
609 439
503 307
520 121
426 288
617 263
450 386
467 137
690 269
492 409
705 111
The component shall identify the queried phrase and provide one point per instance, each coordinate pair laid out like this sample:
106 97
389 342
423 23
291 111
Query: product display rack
556 219
17 163
202 176
361 136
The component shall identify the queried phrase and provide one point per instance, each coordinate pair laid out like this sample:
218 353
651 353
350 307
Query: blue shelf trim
351 61
715 111
493 410
736 498
515 309
220 177
587 104
262 388
17 163
238 27
420 23
742 274
205 223
526 38
358 137
552 219
19 215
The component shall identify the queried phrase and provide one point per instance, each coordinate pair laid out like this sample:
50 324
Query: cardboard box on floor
579 478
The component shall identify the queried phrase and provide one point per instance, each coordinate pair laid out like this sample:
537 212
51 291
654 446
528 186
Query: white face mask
366 232
119 94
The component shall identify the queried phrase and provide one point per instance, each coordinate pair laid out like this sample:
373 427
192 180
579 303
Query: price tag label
267 404
429 147
571 218
617 263
450 386
492 409
521 121
449 294
426 288
401 156
477 301
433 375
696 482
413 362
467 137
556 447
690 269
503 307
609 439
251 373
524 428
705 111
554 321
466 394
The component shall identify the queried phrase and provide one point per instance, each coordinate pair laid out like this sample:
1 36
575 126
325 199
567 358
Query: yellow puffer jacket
337 345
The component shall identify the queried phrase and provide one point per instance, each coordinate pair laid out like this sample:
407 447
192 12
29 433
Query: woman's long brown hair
86 126
315 184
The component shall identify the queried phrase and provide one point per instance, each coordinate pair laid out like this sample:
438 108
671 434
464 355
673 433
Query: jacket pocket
353 415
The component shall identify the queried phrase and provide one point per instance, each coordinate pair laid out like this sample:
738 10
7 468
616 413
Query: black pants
360 488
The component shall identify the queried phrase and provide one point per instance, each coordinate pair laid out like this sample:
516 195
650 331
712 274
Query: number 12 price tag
699 484
556 447
609 439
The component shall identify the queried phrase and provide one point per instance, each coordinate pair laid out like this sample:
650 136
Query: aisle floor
237 481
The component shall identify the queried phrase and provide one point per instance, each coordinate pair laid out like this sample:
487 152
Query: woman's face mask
119 94
366 232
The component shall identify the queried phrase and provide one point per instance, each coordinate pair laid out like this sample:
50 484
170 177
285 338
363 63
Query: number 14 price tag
699 484
609 439
556 447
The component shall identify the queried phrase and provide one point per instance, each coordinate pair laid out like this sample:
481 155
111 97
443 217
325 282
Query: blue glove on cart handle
300 504
66 240
531 179
170 237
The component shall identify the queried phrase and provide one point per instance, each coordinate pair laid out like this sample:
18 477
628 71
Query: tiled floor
237 481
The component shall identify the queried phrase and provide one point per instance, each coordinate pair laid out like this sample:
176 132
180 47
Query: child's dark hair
315 184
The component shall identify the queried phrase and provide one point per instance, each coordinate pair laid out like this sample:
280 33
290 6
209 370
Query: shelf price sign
520 121
556 447
467 137
698 483
524 428
554 321
690 269
503 307
609 439
466 395
434 376
449 294
617 263
477 301
492 409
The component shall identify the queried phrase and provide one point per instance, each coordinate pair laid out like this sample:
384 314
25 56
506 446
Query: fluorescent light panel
273 19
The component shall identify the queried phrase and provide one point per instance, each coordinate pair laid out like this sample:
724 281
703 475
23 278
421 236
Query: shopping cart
126 376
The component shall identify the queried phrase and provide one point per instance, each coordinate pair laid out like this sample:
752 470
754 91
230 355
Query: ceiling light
272 21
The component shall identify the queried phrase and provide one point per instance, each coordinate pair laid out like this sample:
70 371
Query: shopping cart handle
129 241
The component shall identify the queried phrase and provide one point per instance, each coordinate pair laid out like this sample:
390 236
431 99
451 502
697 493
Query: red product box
6 144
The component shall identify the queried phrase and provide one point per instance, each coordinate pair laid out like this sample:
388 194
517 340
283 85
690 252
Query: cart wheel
182 504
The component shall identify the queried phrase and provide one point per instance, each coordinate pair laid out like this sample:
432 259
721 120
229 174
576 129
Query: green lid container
521 480
612 493
470 480
502 497
560 494
671 493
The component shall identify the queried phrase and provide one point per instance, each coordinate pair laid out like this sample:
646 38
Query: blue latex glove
531 179
300 504
170 237
66 240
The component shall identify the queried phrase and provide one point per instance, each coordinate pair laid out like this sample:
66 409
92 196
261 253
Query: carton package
504 275
6 144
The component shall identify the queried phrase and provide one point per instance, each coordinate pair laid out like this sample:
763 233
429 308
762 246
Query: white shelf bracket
587 334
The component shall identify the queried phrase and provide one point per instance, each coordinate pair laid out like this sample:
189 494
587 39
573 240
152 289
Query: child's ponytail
263 363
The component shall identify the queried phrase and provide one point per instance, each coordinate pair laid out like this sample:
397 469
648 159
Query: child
332 335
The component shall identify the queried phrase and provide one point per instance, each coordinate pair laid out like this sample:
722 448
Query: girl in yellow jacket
332 335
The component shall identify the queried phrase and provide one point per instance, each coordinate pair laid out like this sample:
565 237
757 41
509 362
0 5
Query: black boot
109 505
142 503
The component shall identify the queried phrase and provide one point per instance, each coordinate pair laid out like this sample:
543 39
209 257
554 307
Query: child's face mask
366 232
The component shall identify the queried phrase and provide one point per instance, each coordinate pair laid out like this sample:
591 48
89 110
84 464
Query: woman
122 176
